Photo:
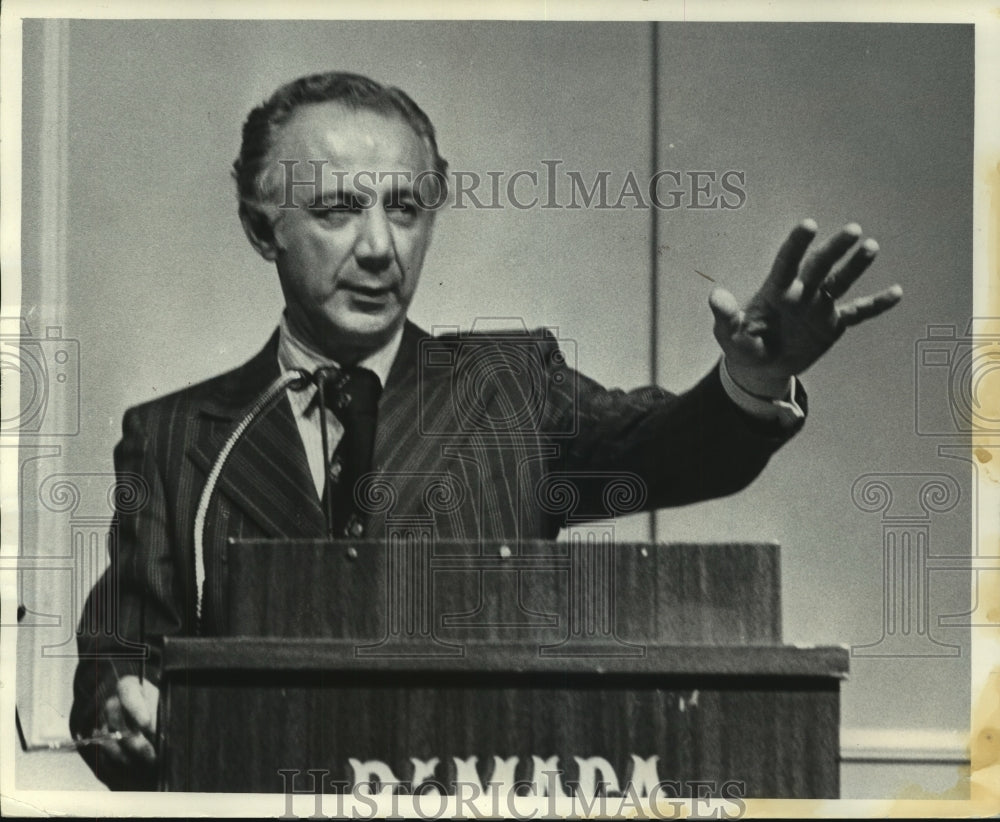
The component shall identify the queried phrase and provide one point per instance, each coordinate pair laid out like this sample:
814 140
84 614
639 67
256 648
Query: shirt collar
294 353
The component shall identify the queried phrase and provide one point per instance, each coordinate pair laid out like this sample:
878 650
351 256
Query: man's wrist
764 386
782 408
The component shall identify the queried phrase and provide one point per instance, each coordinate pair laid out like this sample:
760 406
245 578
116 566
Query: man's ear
260 231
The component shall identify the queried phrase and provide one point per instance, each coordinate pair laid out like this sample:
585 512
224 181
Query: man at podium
339 181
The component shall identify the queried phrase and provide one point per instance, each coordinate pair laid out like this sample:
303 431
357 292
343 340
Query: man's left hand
794 318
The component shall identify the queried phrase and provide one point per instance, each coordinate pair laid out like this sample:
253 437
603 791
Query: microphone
262 404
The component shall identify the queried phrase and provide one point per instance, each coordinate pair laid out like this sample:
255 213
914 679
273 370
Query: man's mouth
365 294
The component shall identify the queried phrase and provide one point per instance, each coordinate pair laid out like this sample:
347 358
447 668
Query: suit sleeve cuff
784 410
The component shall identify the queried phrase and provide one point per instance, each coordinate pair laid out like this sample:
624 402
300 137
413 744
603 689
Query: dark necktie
352 394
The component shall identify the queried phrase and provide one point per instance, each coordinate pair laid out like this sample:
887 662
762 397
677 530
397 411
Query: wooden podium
544 668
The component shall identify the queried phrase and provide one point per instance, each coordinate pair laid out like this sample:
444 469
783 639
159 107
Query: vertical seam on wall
53 169
654 223
52 188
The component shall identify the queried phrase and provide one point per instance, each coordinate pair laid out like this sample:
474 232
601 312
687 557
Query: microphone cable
262 404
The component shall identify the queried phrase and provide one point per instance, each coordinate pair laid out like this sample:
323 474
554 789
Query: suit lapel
398 403
267 474
398 439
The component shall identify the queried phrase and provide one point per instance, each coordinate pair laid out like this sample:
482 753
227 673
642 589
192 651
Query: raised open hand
795 318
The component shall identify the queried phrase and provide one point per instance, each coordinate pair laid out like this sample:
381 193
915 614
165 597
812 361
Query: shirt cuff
784 410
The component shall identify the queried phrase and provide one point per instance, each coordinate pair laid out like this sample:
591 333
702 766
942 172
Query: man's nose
374 245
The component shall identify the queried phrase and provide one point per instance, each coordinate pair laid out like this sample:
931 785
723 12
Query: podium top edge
771 545
245 654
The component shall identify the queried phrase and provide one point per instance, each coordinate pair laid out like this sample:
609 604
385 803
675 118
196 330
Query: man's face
349 262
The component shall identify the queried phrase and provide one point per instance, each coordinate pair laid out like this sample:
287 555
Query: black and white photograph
541 410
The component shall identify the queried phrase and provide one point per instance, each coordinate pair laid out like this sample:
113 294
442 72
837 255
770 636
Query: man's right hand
132 711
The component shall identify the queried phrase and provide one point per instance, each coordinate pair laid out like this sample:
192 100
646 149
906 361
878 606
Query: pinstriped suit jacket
497 422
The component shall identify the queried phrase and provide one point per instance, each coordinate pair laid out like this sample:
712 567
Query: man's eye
402 212
336 211
332 214
341 203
